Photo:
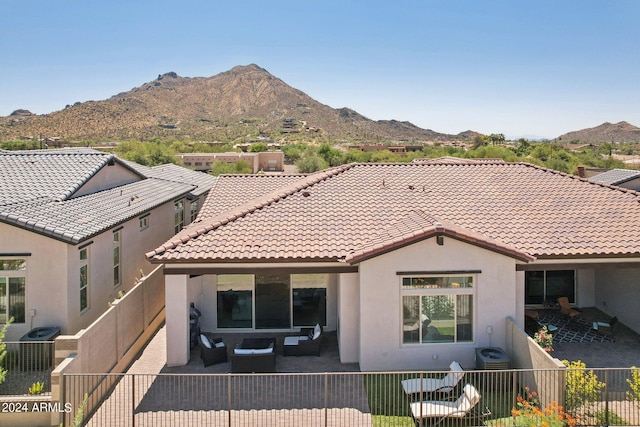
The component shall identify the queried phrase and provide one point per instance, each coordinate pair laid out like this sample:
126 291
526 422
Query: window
84 279
144 222
271 301
179 215
545 287
194 209
12 289
437 309
309 299
117 247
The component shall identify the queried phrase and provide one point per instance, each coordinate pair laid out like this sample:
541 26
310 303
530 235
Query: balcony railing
27 363
590 397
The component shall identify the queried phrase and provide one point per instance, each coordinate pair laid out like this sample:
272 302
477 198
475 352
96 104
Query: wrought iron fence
507 398
27 363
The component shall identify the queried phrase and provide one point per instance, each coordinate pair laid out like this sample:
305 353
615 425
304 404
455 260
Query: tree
239 167
258 147
496 138
311 163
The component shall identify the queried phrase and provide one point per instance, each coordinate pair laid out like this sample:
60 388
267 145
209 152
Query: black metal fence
28 365
497 398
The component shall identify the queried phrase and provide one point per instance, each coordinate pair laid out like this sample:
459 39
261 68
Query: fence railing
27 363
592 396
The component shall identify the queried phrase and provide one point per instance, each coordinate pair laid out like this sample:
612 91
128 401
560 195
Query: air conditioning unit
492 358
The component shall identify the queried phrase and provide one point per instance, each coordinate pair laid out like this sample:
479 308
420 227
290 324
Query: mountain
243 102
607 132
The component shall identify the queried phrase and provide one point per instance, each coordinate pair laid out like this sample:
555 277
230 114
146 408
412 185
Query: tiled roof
173 172
457 160
238 189
50 174
81 218
342 213
38 185
616 176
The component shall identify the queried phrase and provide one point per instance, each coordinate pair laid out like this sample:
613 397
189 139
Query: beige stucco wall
107 177
177 315
134 244
52 285
618 293
348 306
381 309
46 278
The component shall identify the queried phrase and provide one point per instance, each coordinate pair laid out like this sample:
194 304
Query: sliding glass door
273 301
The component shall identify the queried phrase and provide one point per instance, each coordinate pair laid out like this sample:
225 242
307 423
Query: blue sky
521 68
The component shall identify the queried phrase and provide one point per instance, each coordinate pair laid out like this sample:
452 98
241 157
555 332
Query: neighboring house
413 265
266 161
625 178
74 228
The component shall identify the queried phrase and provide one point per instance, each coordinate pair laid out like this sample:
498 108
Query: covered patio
328 361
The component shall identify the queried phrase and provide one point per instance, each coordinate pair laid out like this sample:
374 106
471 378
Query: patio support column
520 297
177 319
349 317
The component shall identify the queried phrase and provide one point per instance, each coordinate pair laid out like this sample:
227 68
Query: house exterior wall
177 319
46 278
107 177
53 270
348 327
618 293
585 287
381 308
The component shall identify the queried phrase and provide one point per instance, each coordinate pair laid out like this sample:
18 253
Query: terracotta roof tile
359 210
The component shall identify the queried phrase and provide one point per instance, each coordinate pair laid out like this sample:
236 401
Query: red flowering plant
544 339
528 412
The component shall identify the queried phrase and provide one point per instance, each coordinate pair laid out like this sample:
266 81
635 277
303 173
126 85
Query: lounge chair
212 350
565 308
308 343
435 385
437 411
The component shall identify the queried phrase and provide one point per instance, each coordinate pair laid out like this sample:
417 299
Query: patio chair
308 343
436 411
606 328
212 350
565 308
435 385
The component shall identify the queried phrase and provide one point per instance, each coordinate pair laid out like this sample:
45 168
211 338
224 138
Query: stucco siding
381 310
618 293
107 177
46 278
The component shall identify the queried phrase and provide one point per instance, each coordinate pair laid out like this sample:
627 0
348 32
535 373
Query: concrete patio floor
623 352
328 361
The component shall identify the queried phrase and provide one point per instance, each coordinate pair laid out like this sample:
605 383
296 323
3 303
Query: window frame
7 275
431 289
178 215
84 264
117 265
193 209
143 222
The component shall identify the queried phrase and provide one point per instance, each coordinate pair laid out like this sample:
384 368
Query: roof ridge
579 178
259 202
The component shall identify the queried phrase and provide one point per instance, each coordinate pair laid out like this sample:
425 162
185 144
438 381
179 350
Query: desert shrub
583 387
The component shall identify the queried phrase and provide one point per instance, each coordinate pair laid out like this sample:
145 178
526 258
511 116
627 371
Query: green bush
36 388
583 387
634 384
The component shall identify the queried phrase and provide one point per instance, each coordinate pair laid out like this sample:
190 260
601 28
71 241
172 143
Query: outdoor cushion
243 351
316 332
263 350
219 344
205 341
